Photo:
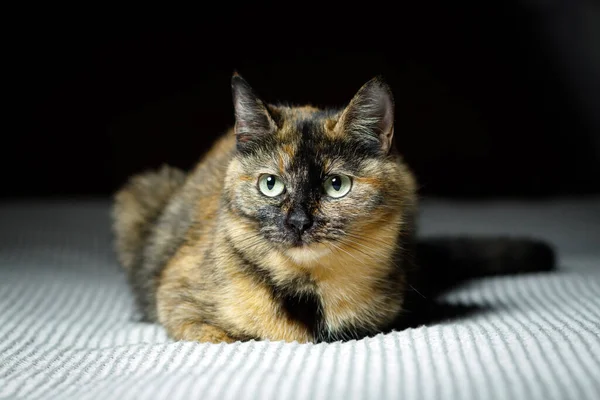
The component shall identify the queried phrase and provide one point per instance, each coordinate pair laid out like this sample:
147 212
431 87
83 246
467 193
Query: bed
69 330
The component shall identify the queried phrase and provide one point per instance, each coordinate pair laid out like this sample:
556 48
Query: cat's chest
355 309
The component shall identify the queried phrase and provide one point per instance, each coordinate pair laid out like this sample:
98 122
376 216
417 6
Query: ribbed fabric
67 326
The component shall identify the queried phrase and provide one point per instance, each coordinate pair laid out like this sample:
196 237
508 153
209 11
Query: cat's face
309 181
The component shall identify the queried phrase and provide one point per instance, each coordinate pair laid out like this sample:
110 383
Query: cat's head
313 180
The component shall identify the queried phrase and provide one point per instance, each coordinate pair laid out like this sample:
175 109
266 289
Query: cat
298 225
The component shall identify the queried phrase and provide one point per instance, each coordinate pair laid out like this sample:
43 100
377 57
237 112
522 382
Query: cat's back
154 212
206 180
196 204
155 207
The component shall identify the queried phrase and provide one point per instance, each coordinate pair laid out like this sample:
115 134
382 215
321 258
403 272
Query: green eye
337 186
270 185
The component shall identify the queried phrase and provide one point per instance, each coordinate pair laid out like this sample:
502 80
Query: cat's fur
213 259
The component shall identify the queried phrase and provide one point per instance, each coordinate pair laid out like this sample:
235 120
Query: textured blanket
68 328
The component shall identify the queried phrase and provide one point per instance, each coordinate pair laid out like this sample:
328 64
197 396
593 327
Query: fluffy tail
137 205
444 262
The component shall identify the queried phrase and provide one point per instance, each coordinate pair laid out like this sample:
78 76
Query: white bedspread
66 327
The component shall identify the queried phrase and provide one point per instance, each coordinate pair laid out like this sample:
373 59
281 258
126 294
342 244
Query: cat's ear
370 114
252 117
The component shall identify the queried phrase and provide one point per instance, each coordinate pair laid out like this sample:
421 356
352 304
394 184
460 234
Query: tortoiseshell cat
297 225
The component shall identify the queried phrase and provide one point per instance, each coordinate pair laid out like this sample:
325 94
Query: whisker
383 244
351 244
374 257
387 245
415 289
339 248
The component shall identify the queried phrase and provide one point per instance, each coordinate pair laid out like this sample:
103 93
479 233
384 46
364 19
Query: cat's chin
308 254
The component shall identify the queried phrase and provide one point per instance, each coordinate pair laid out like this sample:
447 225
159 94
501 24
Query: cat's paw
212 334
200 332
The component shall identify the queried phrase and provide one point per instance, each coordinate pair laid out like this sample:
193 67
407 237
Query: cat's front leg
185 309
183 318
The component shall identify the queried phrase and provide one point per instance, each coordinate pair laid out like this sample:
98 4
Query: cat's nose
299 220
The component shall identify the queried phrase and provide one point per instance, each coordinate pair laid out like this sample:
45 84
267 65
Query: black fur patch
305 308
251 269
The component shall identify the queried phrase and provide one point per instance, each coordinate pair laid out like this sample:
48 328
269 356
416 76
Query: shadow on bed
436 312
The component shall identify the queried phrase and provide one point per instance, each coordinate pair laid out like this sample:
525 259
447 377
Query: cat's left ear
370 114
252 118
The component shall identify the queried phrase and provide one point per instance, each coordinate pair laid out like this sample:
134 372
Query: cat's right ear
252 118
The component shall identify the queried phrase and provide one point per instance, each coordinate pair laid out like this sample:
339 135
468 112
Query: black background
490 101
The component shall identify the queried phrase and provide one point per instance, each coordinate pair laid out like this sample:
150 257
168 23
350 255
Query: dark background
496 100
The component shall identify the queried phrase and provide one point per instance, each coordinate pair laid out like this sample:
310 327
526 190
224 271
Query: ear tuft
252 118
371 114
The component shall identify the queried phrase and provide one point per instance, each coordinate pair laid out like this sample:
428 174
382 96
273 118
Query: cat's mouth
298 240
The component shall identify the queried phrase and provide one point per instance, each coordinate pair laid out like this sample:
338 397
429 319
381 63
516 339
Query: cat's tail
137 205
444 262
